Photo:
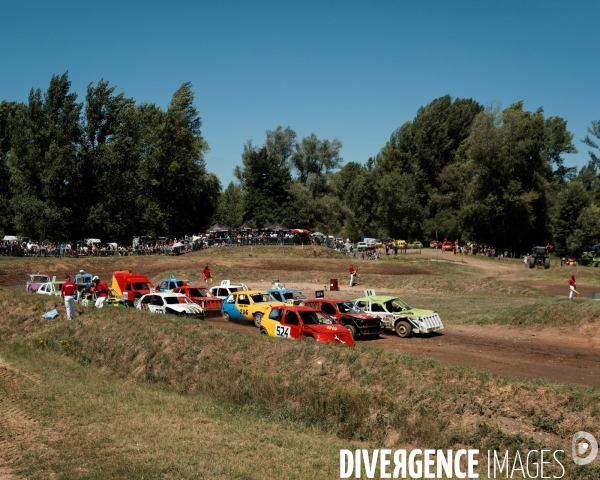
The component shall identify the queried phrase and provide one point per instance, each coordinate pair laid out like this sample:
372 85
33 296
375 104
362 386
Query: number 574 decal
282 331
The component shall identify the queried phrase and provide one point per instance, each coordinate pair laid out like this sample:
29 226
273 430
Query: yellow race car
248 305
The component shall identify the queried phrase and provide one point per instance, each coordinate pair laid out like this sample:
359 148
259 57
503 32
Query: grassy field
124 394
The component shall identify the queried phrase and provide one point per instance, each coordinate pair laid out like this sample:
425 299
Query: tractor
539 256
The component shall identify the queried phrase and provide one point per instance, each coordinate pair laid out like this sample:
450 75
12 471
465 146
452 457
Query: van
131 286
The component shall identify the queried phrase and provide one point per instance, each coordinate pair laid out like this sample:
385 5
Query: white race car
174 303
225 288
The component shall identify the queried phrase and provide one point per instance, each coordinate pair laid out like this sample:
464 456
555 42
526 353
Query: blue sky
341 69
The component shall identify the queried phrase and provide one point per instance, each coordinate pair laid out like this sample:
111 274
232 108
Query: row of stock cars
278 312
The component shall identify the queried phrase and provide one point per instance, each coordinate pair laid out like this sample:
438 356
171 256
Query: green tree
594 130
110 160
509 159
265 180
45 168
314 160
8 111
586 232
230 210
571 203
177 195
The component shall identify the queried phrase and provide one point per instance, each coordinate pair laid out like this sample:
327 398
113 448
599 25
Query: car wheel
226 317
136 302
403 329
263 331
352 330
257 319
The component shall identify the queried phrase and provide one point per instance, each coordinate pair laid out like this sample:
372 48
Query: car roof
283 290
184 287
247 292
375 299
165 294
299 308
334 300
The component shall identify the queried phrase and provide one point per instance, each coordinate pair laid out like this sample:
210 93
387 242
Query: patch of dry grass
360 394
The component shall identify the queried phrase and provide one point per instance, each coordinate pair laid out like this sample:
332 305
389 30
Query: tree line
111 168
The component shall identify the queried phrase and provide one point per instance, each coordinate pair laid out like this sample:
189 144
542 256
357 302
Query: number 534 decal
282 331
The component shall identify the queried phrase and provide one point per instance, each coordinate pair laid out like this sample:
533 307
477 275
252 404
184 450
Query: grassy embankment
181 399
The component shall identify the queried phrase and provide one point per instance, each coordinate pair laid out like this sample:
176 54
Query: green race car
399 316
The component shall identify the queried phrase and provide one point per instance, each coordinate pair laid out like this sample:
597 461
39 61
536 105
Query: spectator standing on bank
207 275
352 274
67 291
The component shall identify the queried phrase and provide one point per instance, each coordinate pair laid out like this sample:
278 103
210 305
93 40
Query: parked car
83 280
399 317
248 305
401 243
361 246
171 283
34 281
435 244
293 321
415 244
173 303
50 288
201 296
225 288
359 324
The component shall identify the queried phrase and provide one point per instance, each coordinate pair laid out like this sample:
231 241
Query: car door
242 304
379 310
329 309
290 326
157 304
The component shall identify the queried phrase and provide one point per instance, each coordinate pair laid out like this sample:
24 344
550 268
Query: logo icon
585 448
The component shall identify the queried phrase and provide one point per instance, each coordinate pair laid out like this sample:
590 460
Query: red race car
201 296
345 313
292 321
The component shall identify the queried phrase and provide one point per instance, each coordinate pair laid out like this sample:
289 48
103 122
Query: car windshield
179 283
315 318
197 292
40 278
176 300
141 286
293 296
347 307
262 298
396 305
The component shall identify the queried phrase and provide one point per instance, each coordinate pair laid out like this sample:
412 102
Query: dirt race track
558 354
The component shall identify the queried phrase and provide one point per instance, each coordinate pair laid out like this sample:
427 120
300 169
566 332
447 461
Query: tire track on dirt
17 428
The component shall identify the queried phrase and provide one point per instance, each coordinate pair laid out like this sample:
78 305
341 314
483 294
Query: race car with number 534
292 321
248 305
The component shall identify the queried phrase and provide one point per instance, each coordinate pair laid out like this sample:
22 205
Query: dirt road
506 351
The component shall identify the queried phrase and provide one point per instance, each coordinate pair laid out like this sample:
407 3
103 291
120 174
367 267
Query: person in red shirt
573 286
101 290
68 291
352 274
206 273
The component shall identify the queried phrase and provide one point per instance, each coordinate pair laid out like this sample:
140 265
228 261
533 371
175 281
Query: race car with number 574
292 321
